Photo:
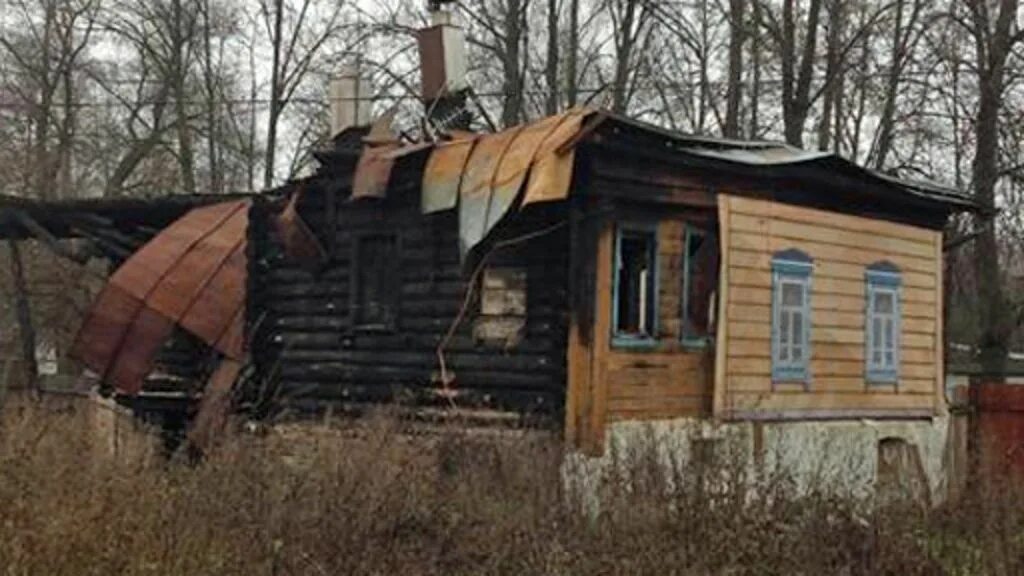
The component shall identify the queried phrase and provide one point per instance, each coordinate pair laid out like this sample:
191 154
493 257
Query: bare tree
906 34
551 65
734 90
298 31
46 47
993 29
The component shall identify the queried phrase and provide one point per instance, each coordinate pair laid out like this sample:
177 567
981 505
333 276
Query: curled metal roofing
191 275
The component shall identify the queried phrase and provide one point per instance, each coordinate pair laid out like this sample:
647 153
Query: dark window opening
376 282
700 280
635 283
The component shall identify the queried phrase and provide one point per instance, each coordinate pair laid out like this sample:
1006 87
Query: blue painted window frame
791 267
689 340
882 278
626 340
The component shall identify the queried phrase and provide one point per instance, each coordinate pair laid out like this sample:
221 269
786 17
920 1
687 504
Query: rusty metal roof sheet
485 175
551 174
299 241
443 174
518 160
192 274
477 189
374 171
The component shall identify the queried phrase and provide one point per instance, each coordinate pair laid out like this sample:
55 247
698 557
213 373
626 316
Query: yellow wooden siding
841 247
667 380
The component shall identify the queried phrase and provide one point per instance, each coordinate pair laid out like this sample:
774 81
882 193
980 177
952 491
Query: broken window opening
376 282
635 300
700 279
502 319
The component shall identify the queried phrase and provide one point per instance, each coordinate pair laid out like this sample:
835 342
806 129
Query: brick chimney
444 87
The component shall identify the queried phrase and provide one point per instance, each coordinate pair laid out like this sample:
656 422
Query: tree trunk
216 178
833 72
275 95
734 89
512 87
623 58
755 64
179 69
796 83
572 59
551 66
901 47
993 48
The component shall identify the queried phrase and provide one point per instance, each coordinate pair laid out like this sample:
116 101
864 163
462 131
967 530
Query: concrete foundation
857 457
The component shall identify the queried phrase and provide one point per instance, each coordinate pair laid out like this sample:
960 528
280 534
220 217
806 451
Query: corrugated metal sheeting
483 175
193 275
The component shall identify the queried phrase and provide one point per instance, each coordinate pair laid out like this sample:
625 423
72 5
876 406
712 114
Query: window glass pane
883 323
890 335
884 302
635 303
792 294
876 333
790 299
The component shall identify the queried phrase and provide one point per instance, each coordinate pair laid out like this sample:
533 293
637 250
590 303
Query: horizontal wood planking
739 205
759 348
829 383
752 314
765 225
649 385
742 383
308 335
762 296
752 242
811 401
823 285
762 260
657 408
841 246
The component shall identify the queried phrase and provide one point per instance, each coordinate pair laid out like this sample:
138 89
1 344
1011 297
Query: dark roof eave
949 199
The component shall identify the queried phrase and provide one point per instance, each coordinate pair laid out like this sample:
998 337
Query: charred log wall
308 347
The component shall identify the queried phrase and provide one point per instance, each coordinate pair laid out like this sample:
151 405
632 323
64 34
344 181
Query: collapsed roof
485 176
191 271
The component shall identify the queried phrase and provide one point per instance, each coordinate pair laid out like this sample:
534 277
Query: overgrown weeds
375 499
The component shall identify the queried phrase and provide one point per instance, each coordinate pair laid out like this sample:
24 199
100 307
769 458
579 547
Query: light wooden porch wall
842 246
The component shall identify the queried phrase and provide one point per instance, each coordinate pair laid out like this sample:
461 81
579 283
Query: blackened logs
308 342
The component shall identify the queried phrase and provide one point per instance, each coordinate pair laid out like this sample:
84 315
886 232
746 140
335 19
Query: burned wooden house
584 270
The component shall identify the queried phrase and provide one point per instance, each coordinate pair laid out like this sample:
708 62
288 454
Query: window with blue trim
791 316
882 323
634 306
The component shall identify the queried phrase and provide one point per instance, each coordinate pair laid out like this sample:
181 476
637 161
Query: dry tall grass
372 500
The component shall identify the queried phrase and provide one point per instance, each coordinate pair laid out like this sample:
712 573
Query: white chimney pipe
349 95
